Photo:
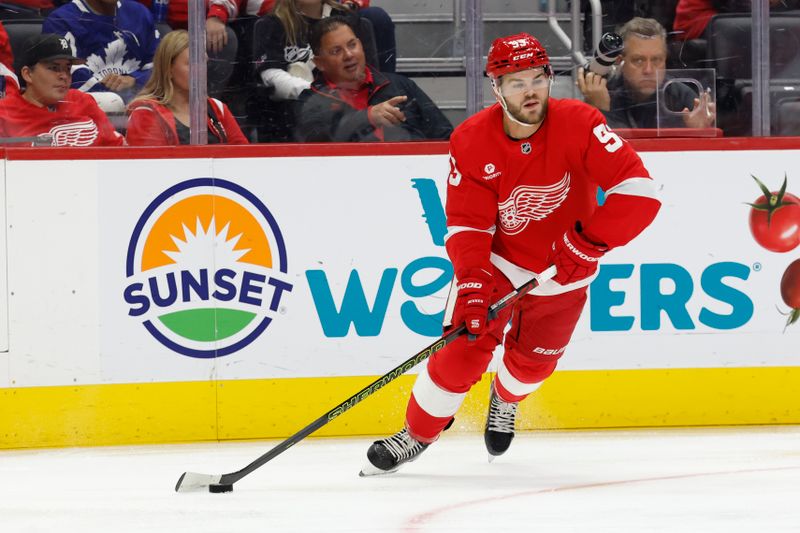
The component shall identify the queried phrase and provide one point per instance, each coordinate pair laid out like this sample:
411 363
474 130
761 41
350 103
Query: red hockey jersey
509 200
75 121
9 83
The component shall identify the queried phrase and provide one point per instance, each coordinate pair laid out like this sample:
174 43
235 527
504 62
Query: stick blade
369 470
192 481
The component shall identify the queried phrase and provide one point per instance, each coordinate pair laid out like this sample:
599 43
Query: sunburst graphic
193 247
210 324
204 268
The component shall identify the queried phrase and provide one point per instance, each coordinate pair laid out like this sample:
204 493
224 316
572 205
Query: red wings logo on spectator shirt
529 202
74 134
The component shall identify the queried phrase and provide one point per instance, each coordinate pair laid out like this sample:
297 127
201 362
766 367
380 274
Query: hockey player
521 196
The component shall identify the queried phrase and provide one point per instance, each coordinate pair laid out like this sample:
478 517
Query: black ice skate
387 455
499 425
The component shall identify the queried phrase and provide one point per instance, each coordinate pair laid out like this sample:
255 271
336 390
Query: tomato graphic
790 290
775 219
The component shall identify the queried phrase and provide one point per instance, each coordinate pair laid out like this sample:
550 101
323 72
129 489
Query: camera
607 51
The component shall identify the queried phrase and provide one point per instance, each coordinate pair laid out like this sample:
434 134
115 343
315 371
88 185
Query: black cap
44 47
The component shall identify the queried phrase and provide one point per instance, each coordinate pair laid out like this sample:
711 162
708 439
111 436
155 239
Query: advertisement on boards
335 266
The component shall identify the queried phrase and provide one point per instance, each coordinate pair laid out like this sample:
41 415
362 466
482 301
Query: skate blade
492 457
370 470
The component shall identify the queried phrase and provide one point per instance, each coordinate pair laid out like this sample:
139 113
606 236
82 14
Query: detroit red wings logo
74 134
528 202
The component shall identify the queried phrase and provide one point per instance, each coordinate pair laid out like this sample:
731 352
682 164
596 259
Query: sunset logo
206 268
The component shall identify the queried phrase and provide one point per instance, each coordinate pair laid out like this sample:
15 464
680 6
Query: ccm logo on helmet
470 285
522 56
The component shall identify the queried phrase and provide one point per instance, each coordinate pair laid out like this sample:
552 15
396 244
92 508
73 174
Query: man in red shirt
48 112
521 196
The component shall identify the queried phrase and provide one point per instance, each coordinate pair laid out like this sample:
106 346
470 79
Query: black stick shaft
345 406
366 392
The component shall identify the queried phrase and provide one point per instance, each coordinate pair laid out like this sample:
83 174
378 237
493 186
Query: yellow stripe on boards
90 415
251 409
277 408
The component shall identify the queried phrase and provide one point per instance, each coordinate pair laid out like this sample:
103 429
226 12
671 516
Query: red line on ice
415 523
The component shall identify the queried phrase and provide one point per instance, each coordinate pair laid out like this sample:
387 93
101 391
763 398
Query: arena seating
729 52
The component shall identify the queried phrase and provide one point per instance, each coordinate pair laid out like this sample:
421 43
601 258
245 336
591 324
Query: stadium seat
10 11
729 51
788 113
19 31
163 28
221 64
784 96
729 45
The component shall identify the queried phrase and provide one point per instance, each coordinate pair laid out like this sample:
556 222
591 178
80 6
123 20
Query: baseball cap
47 46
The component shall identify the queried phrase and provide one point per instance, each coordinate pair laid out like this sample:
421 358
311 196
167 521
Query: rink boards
162 295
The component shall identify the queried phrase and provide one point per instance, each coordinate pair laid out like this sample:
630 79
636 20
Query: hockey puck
220 488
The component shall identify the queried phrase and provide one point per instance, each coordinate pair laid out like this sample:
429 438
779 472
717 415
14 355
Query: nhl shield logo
526 148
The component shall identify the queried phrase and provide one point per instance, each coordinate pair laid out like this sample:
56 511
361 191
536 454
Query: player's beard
528 117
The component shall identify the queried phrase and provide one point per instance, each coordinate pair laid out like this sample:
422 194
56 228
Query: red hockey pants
541 327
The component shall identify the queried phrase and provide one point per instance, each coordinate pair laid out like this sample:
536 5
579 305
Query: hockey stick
190 481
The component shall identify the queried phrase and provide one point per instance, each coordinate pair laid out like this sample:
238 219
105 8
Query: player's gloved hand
475 287
574 256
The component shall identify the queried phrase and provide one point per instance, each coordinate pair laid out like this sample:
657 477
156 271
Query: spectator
9 83
160 113
382 26
218 14
117 38
48 108
692 16
349 101
628 99
616 12
281 48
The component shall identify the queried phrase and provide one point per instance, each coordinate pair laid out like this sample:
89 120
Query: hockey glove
474 288
575 257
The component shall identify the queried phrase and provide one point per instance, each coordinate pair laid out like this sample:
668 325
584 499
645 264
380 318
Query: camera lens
608 49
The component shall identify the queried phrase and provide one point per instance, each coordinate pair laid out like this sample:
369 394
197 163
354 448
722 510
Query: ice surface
694 480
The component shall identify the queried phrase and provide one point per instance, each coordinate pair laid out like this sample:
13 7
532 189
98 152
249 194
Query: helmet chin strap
502 99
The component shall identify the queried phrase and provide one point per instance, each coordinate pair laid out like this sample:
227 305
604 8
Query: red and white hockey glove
474 288
575 257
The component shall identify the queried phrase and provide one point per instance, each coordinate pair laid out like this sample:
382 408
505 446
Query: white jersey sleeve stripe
635 187
512 384
452 230
433 399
